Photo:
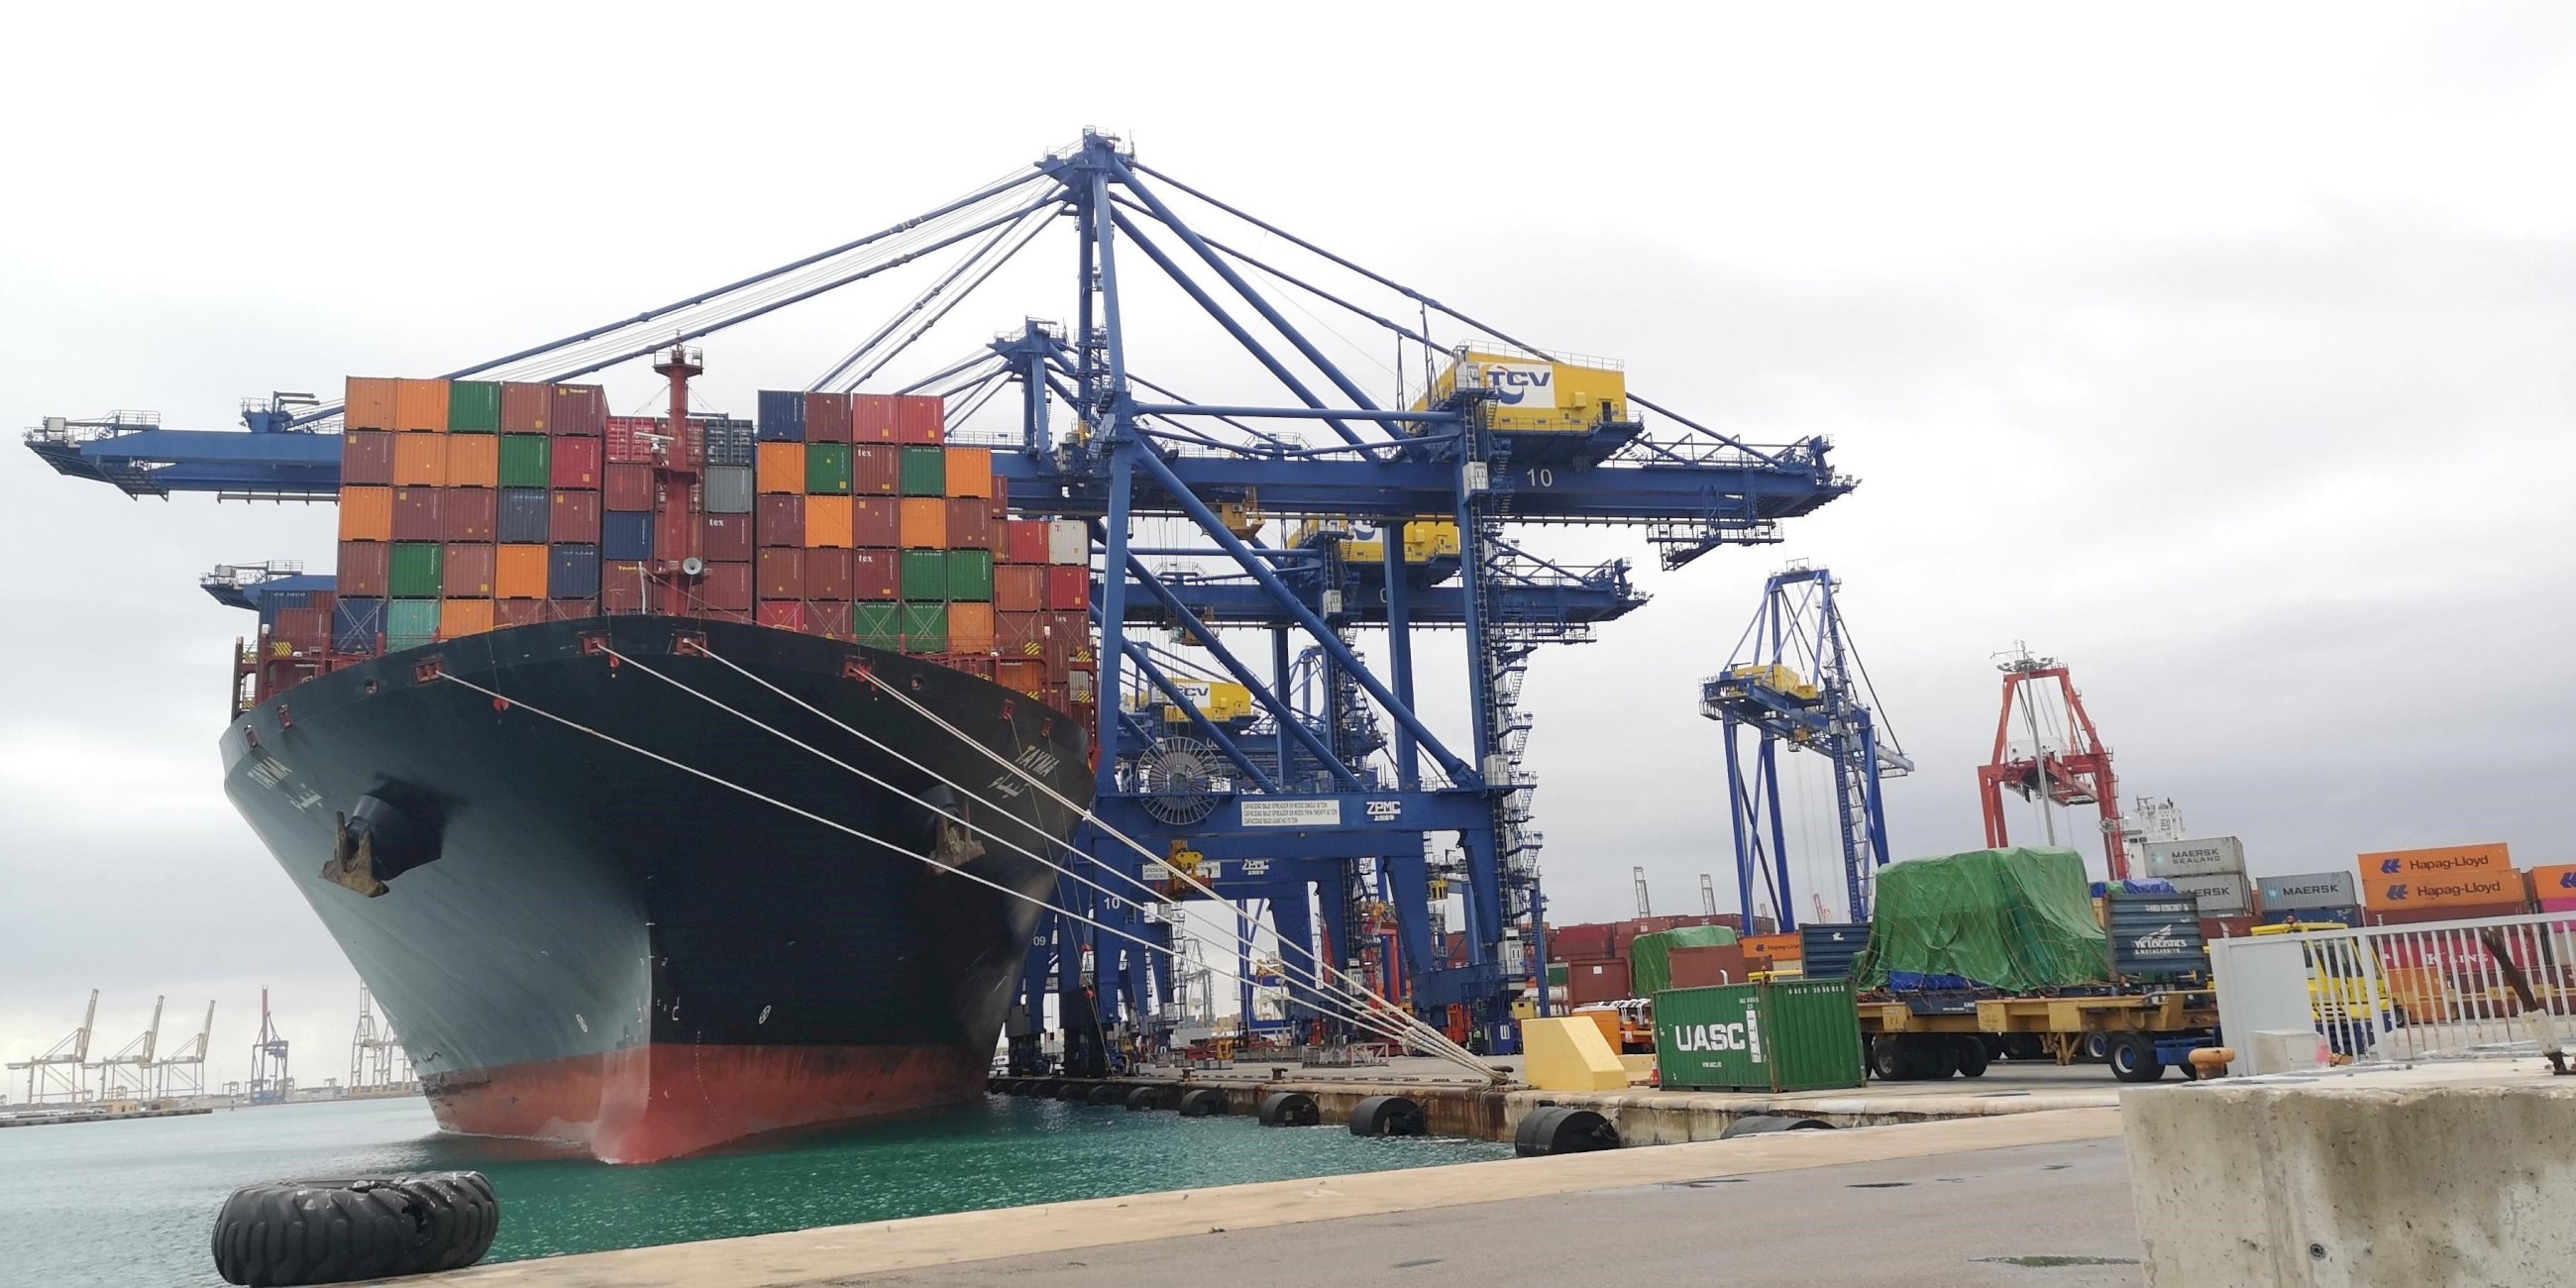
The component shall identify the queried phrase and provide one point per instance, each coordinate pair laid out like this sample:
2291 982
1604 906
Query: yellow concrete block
1641 1068
1567 1053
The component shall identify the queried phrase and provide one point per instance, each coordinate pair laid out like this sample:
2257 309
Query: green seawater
132 1203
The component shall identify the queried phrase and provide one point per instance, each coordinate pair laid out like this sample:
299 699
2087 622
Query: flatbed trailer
1936 1035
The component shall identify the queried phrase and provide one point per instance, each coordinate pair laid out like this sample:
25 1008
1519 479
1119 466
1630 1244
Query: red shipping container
519 612
827 574
525 409
782 573
782 520
629 439
788 616
580 410
726 538
875 471
876 574
465 570
727 586
468 514
416 514
1019 588
1570 942
303 628
628 488
872 418
918 419
827 418
970 525
828 619
576 463
571 610
366 458
574 517
364 568
876 522
1024 541
1602 979
1707 966
1068 588
622 587
1021 634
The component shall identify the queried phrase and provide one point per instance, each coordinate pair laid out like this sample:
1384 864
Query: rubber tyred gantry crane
2075 771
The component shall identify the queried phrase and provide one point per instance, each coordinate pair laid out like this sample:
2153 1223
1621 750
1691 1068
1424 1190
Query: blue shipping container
782 416
625 535
273 602
730 442
355 624
411 623
572 572
523 516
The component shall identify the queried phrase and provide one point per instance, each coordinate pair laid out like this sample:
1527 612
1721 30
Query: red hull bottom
643 1105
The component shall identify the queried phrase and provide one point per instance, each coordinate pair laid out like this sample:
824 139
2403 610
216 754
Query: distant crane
128 1074
183 1072
376 1056
58 1074
2077 771
1708 898
269 1082
1796 680
1645 907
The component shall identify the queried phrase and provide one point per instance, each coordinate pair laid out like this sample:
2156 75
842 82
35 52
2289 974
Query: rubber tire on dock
2133 1058
1289 1109
375 1227
1145 1098
1971 1055
1075 1092
1002 1086
1039 1088
1765 1124
1389 1116
1563 1129
1202 1102
1108 1093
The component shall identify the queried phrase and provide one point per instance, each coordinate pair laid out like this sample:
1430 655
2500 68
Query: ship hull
647 957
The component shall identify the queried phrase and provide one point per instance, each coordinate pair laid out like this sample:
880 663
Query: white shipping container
2309 890
1068 542
2224 894
2205 857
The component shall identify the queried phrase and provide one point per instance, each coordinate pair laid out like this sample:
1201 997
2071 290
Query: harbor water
128 1203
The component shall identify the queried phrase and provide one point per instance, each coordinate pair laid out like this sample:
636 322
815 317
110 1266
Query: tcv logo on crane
1513 384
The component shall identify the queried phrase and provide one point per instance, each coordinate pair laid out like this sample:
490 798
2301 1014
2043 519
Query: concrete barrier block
1567 1053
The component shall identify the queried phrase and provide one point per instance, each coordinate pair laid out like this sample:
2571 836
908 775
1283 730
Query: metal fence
2413 992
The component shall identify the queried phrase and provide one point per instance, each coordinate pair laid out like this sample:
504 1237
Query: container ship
646 768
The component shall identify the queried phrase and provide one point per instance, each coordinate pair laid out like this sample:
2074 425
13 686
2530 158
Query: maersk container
782 416
356 624
473 407
2310 890
2210 856
2223 894
416 572
1787 1035
410 623
728 489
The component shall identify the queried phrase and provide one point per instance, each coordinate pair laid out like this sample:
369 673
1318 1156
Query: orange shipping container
924 525
1777 948
970 472
473 460
366 514
370 404
970 628
522 573
461 617
782 468
1022 675
2441 890
827 521
420 406
420 460
2557 881
2444 860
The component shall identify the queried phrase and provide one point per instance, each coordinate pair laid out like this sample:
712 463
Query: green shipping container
416 570
827 469
473 407
925 577
1789 1035
526 461
410 623
878 625
970 576
925 628
925 471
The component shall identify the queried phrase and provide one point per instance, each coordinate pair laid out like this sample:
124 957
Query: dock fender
321 1232
1202 1102
1389 1116
1108 1093
1765 1124
1143 1098
1563 1129
1289 1109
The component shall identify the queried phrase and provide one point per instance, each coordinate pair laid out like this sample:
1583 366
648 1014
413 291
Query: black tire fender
1202 1102
1389 1116
284 1233
1289 1109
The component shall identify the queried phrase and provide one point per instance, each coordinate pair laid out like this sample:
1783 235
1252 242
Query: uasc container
1786 1035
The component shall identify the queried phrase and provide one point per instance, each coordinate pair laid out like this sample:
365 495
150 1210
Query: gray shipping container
729 489
2227 894
2154 936
2309 890
2198 858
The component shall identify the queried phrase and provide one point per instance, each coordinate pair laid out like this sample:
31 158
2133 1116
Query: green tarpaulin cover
2017 920
1650 957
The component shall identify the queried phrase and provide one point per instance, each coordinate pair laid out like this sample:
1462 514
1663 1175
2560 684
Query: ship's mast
675 540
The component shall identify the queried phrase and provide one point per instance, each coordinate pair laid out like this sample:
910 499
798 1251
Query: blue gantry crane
1331 805
1795 683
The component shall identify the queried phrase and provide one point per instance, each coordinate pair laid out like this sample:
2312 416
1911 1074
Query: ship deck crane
1102 438
1796 683
60 1073
2076 771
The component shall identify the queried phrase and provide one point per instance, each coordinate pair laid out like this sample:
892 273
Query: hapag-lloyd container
2443 860
1788 1035
2451 890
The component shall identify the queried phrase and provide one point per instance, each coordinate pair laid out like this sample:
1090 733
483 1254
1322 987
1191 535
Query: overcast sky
2221 352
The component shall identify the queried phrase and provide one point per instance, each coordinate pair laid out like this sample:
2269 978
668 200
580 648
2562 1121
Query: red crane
2078 772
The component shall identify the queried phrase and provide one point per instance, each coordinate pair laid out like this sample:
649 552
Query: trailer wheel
1935 1058
1971 1055
2133 1058
2097 1046
1887 1059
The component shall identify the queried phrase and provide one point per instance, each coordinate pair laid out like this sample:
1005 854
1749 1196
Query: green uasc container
1789 1035
970 576
878 625
925 576
526 461
473 407
924 472
410 623
827 469
415 573
925 628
